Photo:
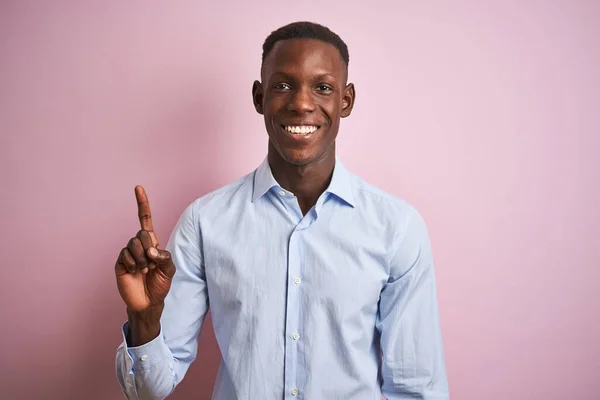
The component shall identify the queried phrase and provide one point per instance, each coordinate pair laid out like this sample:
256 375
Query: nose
301 101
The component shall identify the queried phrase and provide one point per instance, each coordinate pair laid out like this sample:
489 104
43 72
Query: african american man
320 285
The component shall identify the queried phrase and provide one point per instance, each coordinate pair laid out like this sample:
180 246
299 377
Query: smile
300 129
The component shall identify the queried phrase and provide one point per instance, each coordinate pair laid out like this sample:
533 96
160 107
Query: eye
281 86
324 88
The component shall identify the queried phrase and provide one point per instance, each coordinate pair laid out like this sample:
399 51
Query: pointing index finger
144 213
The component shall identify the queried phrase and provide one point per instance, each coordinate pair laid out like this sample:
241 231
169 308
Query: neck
306 182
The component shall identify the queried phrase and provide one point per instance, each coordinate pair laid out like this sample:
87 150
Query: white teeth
301 129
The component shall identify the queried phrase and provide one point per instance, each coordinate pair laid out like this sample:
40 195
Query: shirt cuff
147 355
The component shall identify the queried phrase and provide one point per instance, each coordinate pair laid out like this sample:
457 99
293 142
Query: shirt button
294 392
281 193
296 336
297 281
144 357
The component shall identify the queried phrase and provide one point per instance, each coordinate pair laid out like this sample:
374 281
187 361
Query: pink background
486 114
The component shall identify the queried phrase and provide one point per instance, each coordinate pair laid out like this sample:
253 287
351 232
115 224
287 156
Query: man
321 286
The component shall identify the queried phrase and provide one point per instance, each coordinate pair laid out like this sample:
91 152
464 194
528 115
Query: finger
163 259
147 243
121 266
145 239
144 212
139 255
127 260
154 239
125 263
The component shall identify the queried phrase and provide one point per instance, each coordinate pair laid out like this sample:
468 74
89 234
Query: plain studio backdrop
482 114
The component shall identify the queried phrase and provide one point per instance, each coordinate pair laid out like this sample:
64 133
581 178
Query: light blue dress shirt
337 304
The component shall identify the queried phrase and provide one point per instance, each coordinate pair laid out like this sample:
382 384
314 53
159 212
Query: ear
257 96
348 100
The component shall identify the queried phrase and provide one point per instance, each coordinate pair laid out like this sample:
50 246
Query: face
303 95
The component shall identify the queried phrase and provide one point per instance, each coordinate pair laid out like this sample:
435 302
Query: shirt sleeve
413 365
153 370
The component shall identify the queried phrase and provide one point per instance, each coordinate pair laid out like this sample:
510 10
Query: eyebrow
319 76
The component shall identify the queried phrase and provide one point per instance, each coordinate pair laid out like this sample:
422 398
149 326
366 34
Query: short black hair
306 30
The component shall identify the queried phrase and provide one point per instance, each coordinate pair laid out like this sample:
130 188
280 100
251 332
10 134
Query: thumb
163 260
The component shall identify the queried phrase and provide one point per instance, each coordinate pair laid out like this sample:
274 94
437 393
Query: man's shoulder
372 196
387 209
235 191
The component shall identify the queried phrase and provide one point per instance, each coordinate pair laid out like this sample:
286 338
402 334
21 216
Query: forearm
159 346
143 326
145 372
413 365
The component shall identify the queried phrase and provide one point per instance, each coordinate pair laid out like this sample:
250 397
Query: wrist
144 326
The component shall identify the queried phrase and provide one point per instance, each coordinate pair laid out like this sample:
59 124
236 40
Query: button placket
292 362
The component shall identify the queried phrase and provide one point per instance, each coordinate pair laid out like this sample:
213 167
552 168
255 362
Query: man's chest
263 267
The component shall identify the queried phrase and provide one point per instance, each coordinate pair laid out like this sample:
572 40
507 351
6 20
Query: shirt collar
340 185
263 180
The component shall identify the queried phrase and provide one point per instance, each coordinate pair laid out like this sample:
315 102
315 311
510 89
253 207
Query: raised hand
143 270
